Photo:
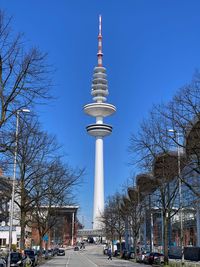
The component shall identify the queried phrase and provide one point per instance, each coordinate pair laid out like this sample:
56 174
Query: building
5 193
163 185
63 232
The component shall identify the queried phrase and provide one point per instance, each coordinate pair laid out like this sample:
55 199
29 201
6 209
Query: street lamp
177 135
13 182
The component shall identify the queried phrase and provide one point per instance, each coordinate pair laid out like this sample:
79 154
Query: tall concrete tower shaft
99 109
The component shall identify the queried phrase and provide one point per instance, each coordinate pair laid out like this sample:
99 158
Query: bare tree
133 211
25 81
109 220
152 146
24 75
182 114
113 218
55 190
42 180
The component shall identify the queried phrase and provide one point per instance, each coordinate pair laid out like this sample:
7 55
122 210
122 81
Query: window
2 242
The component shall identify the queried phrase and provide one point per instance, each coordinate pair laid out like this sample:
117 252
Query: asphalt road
92 256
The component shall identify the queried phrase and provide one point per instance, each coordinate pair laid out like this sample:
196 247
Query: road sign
45 238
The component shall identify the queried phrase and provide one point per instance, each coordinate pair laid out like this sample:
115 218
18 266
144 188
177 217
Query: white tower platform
99 109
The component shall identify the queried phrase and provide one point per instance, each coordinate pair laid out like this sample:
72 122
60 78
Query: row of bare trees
122 213
43 177
171 158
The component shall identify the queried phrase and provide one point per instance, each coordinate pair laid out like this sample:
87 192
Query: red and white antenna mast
100 53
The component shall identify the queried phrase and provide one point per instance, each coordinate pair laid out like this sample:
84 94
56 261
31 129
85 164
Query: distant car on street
50 253
146 258
76 248
156 258
45 254
61 252
105 250
16 259
140 256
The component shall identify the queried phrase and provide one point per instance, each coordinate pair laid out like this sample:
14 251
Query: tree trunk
112 245
41 243
166 225
120 243
135 245
22 224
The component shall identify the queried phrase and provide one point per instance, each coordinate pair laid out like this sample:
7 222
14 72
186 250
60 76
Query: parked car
155 257
55 251
140 256
50 253
16 259
90 240
105 250
127 255
2 262
32 255
45 254
146 258
61 252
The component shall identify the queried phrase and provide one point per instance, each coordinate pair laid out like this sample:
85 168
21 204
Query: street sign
45 238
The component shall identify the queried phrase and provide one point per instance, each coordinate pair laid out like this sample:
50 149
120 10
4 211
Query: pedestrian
109 254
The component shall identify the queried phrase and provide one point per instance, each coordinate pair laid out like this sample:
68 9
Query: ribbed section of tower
99 85
99 109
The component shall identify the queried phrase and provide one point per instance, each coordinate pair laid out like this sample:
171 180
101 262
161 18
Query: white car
61 252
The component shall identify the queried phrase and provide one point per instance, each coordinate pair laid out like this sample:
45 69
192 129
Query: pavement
91 256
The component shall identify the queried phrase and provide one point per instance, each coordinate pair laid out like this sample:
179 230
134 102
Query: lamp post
177 135
13 182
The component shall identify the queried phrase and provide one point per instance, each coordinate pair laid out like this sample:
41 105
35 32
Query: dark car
124 254
146 258
50 253
45 254
55 251
105 250
2 262
141 256
76 248
16 259
61 252
156 258
32 255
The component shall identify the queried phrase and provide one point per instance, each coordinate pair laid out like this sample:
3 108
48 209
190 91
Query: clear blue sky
151 48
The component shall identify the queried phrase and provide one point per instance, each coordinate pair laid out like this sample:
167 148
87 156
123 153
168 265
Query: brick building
63 232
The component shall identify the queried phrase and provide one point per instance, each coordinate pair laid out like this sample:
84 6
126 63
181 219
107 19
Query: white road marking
67 264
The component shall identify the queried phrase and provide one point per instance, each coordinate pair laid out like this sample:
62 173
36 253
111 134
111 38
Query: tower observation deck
99 109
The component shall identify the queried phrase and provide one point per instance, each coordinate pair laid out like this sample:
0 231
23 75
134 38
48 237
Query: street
90 257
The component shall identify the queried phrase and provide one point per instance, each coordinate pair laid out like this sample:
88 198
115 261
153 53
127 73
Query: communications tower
99 109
